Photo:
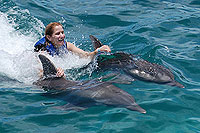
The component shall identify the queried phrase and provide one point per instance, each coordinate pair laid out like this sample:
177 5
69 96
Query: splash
15 49
17 60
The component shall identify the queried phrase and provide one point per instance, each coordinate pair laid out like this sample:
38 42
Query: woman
54 43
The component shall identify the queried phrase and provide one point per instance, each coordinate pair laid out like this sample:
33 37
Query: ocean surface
166 32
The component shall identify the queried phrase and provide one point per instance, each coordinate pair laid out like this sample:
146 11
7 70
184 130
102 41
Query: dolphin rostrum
81 95
136 68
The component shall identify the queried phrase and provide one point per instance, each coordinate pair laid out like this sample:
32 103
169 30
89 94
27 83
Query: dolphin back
114 60
49 70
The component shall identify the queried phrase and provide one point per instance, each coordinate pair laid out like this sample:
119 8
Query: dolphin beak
175 83
141 110
137 108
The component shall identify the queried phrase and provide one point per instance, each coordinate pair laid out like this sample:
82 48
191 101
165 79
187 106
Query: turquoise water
165 32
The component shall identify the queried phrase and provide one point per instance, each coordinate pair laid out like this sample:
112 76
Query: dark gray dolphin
81 95
137 68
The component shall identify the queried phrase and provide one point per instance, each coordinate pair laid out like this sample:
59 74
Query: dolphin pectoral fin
96 43
136 108
71 107
118 81
122 79
117 78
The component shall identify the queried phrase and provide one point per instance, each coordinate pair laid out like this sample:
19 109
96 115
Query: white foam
12 45
18 61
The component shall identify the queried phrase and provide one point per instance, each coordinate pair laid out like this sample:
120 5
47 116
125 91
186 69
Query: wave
19 32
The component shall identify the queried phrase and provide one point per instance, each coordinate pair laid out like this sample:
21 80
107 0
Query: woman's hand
105 48
60 72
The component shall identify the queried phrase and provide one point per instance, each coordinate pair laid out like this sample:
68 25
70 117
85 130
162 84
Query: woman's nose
62 35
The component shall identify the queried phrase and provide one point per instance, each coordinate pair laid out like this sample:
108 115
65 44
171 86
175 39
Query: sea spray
18 61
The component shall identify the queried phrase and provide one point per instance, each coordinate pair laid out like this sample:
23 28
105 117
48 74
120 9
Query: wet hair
50 28
48 31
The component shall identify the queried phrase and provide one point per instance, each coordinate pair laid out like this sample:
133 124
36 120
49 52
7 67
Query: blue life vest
40 45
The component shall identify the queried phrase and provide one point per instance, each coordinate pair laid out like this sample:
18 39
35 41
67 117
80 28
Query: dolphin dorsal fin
96 43
49 70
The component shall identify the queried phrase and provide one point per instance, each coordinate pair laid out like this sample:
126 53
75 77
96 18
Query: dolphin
136 68
82 94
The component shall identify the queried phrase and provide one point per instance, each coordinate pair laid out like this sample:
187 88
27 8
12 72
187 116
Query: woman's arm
74 49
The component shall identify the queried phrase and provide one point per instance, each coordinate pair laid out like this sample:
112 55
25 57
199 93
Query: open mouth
60 40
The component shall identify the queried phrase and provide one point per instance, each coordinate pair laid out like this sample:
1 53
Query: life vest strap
41 46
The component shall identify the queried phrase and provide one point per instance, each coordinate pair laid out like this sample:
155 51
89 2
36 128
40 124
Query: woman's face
58 36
